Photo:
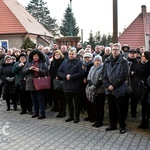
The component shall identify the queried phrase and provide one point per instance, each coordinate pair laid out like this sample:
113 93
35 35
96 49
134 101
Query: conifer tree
27 43
69 27
39 10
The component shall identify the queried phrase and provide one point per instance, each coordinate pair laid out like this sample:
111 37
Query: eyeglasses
115 49
8 59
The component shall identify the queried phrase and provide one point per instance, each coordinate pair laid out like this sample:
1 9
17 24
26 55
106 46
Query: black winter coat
134 79
55 64
75 68
6 71
143 72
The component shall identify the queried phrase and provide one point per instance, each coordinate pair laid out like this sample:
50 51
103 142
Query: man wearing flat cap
133 79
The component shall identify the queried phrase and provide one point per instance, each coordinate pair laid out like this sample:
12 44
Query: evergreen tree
98 39
91 40
104 40
38 9
109 39
68 27
28 43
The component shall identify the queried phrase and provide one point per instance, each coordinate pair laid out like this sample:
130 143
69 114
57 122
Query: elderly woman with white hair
107 53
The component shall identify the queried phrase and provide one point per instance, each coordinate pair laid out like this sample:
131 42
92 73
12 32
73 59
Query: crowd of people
88 78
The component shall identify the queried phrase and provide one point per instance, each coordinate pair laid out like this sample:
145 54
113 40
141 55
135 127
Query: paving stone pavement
21 132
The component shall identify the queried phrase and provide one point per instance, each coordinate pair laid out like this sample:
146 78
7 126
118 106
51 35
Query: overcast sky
96 15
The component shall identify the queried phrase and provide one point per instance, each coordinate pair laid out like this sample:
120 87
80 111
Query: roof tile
134 35
17 20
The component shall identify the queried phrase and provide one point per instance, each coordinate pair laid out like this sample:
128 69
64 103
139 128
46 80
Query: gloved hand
12 79
92 87
8 79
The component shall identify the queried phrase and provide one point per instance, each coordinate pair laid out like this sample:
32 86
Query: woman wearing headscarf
36 67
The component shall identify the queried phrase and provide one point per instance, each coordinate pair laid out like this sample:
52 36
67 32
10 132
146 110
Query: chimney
143 7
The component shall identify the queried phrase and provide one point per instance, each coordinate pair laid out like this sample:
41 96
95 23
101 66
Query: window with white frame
4 44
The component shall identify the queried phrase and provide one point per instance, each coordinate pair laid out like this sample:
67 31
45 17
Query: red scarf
35 64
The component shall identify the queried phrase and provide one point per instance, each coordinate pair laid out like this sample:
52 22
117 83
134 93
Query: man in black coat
133 79
114 79
72 72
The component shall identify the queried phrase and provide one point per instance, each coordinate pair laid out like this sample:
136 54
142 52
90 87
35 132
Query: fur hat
125 45
41 55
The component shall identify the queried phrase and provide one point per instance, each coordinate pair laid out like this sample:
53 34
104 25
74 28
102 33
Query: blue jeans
38 102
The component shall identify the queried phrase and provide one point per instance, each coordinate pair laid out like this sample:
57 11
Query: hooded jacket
30 74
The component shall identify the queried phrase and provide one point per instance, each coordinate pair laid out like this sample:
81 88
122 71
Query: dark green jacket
18 71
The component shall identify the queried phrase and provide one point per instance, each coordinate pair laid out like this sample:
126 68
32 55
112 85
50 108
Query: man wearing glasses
114 77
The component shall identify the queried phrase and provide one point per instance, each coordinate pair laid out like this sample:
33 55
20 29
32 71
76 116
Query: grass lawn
132 123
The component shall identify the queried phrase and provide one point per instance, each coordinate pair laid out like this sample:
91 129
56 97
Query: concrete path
21 132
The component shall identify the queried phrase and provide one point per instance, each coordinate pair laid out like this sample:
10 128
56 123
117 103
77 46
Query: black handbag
57 85
142 89
129 90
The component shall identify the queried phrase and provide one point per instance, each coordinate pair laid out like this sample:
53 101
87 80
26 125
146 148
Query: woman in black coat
143 72
58 96
8 79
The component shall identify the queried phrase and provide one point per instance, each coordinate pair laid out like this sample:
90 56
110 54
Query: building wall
17 40
44 42
13 40
147 42
33 38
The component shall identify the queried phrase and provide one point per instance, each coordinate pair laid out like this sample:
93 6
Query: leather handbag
42 83
57 85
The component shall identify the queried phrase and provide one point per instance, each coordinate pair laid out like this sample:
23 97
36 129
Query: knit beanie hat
7 56
88 55
98 57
